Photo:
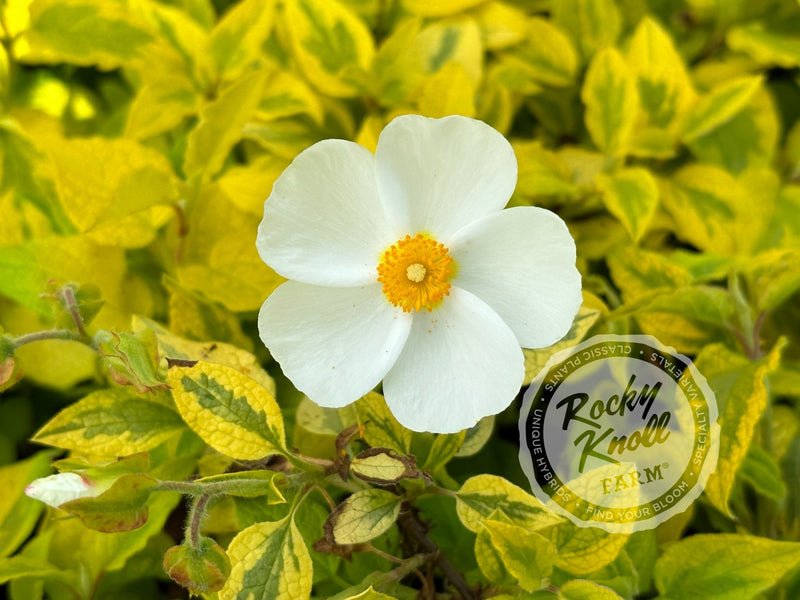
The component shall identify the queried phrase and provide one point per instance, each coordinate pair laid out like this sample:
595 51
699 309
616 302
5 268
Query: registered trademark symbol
665 465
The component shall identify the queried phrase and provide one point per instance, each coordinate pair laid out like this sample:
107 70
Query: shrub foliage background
139 140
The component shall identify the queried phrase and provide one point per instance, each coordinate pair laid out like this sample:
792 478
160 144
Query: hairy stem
51 334
70 302
194 519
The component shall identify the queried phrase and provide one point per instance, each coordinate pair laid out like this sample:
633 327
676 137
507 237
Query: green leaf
687 318
231 412
590 24
583 589
220 126
371 594
767 45
269 561
363 516
112 422
444 447
481 495
26 269
18 513
82 32
763 473
723 566
21 567
131 358
776 277
476 437
740 389
249 484
631 195
381 429
329 42
236 41
609 93
719 105
527 555
122 507
747 140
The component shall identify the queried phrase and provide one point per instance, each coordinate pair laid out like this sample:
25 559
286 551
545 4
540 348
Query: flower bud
60 488
201 570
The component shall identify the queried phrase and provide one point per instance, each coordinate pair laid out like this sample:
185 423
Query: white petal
334 344
323 222
437 175
460 364
57 489
521 262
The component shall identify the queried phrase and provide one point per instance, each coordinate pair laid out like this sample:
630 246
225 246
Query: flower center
416 273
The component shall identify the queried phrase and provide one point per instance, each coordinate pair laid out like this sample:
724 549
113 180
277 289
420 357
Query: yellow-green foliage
138 142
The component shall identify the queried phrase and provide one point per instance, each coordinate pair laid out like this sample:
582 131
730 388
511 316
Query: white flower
404 267
57 489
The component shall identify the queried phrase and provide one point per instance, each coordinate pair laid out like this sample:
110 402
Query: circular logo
619 432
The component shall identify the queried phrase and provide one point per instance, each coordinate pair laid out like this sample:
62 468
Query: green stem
70 302
194 519
51 334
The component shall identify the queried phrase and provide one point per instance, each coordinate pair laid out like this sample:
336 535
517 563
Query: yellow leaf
82 32
449 41
269 560
440 8
220 126
287 95
665 89
330 43
526 554
448 92
631 195
363 516
192 316
637 272
591 24
481 495
715 211
235 276
231 412
248 186
583 550
112 422
101 180
740 385
236 41
548 55
609 93
18 513
719 105
502 24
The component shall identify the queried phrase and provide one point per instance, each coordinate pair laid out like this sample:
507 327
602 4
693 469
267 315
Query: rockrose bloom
404 267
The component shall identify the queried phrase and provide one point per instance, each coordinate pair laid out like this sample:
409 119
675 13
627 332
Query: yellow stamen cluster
416 272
